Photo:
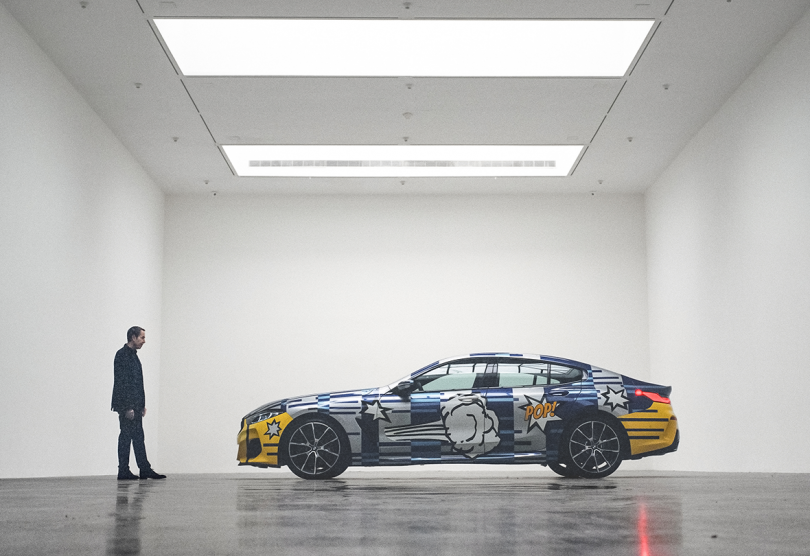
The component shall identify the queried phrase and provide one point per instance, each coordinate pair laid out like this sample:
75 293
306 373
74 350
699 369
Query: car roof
506 354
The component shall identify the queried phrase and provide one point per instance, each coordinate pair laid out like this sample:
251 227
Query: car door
537 396
442 417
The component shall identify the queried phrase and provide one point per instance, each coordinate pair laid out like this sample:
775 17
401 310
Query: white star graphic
376 410
615 398
273 428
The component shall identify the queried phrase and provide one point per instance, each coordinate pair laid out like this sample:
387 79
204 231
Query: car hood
281 405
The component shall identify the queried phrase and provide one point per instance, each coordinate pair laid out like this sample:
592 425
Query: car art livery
577 419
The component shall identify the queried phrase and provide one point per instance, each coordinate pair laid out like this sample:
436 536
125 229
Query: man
129 400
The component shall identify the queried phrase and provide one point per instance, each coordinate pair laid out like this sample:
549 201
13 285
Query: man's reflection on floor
125 535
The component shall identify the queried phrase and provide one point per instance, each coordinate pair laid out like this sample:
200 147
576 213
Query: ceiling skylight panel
402 160
413 48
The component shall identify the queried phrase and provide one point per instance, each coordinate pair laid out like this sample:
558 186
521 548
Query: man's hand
130 414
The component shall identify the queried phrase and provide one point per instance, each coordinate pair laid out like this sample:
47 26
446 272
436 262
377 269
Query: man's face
139 341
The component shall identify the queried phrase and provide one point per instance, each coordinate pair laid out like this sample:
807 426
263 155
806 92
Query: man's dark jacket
128 387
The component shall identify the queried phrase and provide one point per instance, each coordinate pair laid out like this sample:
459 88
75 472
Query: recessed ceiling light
414 48
402 161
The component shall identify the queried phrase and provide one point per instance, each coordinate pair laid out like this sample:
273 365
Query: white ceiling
701 49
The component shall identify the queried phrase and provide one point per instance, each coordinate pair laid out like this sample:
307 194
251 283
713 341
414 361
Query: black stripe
643 420
247 439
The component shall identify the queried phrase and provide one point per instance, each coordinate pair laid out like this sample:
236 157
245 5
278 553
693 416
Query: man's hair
134 332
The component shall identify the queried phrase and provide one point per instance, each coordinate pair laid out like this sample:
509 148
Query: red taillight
653 396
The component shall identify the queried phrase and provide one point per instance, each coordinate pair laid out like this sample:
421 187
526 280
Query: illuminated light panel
412 48
402 160
653 396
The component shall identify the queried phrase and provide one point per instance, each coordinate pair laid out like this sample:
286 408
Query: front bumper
259 442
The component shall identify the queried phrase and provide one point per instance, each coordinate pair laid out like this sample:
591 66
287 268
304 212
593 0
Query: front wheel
316 448
592 447
562 470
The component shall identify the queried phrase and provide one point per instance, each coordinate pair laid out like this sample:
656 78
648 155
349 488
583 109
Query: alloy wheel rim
594 446
314 448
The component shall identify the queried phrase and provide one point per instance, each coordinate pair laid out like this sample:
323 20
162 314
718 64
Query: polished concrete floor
399 511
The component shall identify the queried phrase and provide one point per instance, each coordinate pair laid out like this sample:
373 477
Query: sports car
578 419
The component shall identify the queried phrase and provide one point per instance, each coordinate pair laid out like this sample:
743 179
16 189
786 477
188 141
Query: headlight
266 411
262 416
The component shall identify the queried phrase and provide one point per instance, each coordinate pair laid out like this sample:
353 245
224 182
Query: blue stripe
426 367
323 403
426 450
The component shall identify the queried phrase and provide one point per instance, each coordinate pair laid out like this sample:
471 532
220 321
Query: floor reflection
124 538
392 512
458 517
643 534
659 525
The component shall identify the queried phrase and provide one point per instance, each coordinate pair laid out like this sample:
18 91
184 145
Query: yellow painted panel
635 421
268 432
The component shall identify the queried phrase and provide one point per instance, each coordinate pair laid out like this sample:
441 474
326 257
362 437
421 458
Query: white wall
272 297
728 230
263 297
80 262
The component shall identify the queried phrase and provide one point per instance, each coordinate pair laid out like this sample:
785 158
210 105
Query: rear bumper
651 432
669 449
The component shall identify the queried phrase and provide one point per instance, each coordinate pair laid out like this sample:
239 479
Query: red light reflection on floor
641 527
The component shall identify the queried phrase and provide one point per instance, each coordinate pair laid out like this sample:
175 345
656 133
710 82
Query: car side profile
507 408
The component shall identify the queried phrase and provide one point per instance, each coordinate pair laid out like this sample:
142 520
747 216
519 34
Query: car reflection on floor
504 510
455 514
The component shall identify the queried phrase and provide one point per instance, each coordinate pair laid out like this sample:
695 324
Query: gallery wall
81 228
267 297
729 275
702 283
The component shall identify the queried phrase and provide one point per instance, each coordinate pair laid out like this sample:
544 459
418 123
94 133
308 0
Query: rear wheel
316 448
592 447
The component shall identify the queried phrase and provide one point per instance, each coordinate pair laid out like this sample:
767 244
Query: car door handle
558 393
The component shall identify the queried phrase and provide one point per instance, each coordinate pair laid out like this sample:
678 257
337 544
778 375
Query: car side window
458 376
516 375
560 374
494 373
535 373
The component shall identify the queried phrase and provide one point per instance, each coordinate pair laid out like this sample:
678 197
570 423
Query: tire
591 447
562 470
316 448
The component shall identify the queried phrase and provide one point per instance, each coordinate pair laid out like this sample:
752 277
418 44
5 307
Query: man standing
129 400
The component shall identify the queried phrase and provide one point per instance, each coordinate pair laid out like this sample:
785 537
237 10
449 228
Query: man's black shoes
150 474
127 475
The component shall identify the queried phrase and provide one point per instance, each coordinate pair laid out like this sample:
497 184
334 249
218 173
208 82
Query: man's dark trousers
131 432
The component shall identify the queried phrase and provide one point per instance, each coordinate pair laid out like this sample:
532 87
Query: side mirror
403 388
